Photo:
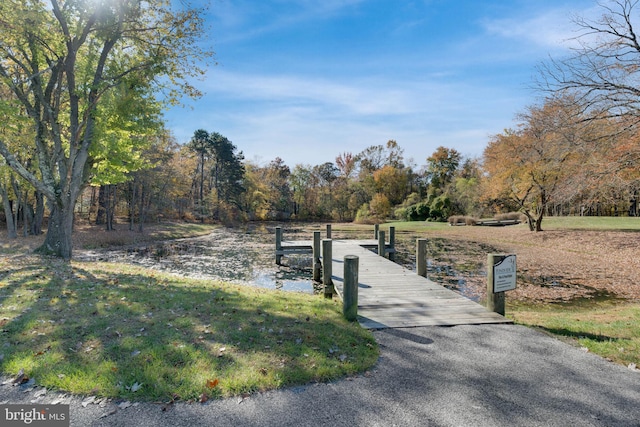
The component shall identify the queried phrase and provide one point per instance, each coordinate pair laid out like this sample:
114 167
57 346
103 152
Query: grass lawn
607 329
119 331
599 223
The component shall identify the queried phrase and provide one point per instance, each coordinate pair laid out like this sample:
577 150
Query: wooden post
421 257
327 268
381 243
392 243
350 291
317 266
495 301
376 228
279 245
328 231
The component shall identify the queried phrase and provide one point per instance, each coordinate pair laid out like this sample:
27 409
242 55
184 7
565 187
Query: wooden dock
391 296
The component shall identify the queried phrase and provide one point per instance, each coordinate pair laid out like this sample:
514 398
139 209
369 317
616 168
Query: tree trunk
27 215
39 214
142 208
8 213
110 204
17 193
58 239
100 214
132 204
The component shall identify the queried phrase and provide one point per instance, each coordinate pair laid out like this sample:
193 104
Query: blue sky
306 80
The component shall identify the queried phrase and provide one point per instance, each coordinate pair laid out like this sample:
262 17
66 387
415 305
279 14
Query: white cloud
361 97
312 120
550 29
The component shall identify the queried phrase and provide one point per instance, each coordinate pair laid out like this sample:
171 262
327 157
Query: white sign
504 274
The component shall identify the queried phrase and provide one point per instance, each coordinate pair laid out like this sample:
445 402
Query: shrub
440 208
461 219
380 206
402 214
363 216
519 216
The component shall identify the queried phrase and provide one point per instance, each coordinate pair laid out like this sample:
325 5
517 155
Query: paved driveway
485 375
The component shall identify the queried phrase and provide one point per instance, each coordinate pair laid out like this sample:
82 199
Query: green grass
599 223
124 332
611 330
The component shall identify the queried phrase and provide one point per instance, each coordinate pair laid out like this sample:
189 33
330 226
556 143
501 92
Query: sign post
501 277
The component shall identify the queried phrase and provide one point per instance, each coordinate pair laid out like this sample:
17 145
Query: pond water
246 256
241 256
458 266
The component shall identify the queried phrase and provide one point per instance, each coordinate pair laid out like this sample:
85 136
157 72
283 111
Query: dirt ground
553 266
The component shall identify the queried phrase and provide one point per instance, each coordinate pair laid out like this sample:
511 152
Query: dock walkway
391 296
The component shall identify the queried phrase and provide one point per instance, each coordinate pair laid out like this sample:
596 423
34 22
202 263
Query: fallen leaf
124 405
111 412
20 378
203 398
170 403
212 383
88 400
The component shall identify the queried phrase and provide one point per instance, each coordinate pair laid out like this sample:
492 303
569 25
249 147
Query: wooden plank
390 295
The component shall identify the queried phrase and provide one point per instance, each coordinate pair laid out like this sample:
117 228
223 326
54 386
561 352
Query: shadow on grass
579 334
117 331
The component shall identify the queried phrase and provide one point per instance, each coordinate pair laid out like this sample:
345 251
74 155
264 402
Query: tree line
82 91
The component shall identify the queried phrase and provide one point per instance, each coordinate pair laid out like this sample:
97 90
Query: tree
200 143
255 199
602 71
275 177
392 182
7 205
375 157
227 172
380 206
441 168
61 62
346 163
533 166
466 188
